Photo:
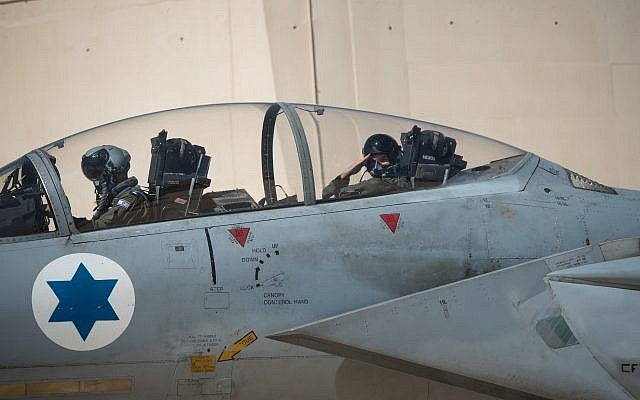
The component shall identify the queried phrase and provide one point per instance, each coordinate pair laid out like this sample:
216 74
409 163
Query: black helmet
381 143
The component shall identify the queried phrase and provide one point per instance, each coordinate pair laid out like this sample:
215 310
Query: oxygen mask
381 168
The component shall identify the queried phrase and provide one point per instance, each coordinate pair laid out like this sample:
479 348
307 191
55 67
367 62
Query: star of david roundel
83 301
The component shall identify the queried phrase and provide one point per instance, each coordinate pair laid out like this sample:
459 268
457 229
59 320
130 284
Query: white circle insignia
83 301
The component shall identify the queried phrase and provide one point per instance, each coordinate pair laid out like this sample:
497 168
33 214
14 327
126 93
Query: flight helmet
105 160
105 166
381 143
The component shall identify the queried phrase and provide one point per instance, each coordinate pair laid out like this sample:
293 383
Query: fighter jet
261 251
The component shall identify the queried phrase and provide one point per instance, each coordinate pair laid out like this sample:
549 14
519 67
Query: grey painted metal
266 150
61 206
325 260
616 273
600 303
303 153
622 248
482 328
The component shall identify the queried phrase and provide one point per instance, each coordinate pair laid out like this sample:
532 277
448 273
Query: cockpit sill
512 181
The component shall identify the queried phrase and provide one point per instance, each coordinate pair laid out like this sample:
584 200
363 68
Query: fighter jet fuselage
188 307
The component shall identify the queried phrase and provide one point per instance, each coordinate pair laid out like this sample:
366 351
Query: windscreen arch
302 149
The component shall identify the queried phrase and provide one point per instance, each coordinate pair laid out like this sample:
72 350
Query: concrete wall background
558 77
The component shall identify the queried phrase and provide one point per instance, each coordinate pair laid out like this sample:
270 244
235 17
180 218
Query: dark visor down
93 164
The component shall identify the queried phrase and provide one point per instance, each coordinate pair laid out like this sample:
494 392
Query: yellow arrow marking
246 340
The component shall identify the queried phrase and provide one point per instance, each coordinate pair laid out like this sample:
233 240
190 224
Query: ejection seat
429 157
177 177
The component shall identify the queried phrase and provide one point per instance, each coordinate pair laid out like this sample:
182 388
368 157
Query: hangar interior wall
558 77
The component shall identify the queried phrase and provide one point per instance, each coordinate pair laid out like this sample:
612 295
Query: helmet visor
93 165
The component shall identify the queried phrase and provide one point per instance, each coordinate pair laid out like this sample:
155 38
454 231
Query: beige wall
560 78
68 65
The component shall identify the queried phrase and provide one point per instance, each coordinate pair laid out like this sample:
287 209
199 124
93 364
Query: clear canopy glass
233 136
336 137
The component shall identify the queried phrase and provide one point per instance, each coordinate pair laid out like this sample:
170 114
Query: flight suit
340 188
129 205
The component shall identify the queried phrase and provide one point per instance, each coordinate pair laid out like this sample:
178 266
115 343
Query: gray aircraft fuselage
209 289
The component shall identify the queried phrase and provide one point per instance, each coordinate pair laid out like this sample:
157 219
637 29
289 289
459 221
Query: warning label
203 363
240 235
391 220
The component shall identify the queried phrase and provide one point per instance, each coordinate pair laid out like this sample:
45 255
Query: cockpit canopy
24 204
240 157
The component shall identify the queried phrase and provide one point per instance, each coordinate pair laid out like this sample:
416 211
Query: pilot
119 199
381 155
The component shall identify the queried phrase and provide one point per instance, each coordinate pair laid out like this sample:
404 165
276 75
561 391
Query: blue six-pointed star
83 301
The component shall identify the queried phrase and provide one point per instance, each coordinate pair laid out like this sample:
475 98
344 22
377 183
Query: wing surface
601 305
500 334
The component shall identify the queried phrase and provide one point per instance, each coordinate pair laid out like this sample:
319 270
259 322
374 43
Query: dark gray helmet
106 160
103 165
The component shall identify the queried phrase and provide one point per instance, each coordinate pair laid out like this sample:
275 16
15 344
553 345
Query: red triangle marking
391 220
240 234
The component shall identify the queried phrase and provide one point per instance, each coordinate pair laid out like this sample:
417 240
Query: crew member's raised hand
355 168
